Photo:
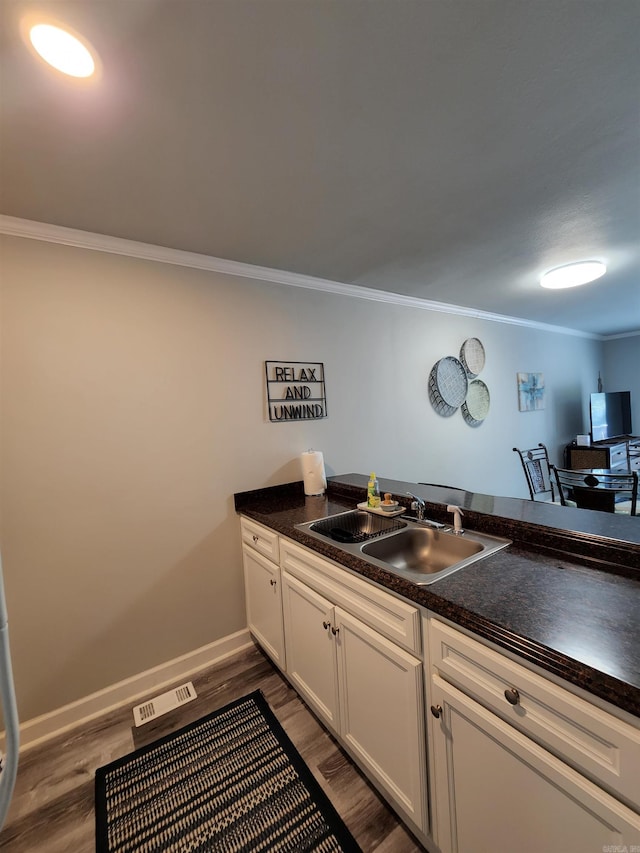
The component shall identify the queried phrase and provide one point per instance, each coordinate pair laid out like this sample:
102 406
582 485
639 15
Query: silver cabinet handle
436 710
512 696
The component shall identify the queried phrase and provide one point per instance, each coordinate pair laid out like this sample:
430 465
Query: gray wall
621 371
133 406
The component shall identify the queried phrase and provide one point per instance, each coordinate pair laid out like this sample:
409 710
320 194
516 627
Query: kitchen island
564 598
522 668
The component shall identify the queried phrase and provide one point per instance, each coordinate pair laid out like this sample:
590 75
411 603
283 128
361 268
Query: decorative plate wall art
453 384
476 406
472 356
447 385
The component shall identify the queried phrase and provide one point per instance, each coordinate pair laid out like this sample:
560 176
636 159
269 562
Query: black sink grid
356 526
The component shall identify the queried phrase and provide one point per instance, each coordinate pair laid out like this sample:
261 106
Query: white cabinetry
519 763
619 456
381 712
260 552
311 649
365 687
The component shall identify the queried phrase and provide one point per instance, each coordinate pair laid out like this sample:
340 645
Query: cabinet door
264 603
495 789
311 648
592 456
381 710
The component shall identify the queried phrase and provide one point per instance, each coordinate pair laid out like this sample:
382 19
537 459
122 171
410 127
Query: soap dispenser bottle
373 492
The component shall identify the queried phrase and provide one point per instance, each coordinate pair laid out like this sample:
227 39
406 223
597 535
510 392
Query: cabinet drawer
260 539
393 618
596 743
618 456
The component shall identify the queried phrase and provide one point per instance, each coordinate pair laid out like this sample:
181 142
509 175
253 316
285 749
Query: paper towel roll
315 481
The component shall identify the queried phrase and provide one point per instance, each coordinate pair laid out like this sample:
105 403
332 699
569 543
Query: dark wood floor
52 807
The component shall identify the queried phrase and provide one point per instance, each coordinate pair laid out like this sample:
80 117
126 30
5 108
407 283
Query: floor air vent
159 705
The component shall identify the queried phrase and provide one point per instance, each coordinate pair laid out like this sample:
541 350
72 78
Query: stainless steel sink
416 552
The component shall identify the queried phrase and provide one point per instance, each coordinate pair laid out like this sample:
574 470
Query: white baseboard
54 723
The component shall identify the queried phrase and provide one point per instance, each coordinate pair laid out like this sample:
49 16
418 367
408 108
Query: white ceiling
445 149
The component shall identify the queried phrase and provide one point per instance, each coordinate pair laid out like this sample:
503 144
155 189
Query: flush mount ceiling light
60 48
572 275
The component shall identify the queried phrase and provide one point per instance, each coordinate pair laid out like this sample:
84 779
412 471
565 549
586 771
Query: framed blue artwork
530 391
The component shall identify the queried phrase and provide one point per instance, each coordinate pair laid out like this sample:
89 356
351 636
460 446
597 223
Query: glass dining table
606 489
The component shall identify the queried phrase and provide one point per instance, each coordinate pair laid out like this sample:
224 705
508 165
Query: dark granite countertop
564 598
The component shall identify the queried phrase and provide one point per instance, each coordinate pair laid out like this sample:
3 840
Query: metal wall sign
295 390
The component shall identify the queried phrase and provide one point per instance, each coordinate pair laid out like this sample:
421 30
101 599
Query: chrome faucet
418 504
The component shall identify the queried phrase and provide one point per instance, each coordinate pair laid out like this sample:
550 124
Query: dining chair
537 472
605 491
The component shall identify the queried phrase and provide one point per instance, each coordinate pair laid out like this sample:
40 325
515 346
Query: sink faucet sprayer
457 518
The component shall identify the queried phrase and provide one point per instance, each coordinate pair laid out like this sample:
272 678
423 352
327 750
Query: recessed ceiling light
572 275
64 51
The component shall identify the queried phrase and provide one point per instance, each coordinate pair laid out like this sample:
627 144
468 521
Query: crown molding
15 227
621 335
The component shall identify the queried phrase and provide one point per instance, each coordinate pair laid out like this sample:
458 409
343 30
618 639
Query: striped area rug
232 781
